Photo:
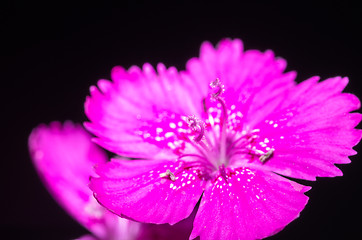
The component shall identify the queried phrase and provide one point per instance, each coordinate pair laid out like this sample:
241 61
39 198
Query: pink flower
64 157
226 130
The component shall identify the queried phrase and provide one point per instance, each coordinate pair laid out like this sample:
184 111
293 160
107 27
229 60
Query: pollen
263 158
169 174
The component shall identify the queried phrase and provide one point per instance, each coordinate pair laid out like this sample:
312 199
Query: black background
52 52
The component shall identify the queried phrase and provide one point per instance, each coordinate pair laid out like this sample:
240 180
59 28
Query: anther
169 174
263 158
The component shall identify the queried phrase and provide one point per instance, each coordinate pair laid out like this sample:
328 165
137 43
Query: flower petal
136 189
311 130
123 112
236 69
64 157
249 204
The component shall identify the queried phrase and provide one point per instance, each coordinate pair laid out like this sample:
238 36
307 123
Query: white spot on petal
168 134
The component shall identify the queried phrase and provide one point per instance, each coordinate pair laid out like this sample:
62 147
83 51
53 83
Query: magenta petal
249 205
247 73
64 157
135 189
311 131
139 99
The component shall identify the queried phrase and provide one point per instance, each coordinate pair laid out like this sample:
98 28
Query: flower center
216 146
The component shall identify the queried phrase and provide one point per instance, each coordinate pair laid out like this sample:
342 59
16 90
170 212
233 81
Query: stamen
263 158
190 155
243 141
169 174
206 166
216 96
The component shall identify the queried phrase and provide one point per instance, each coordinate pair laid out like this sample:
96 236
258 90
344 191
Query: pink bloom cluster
224 133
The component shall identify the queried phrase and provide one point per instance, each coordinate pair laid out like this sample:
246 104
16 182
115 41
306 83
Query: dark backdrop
52 53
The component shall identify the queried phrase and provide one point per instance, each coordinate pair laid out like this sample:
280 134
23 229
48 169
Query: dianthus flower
227 132
64 156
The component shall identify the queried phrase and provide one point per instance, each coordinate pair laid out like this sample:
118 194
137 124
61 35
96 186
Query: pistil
195 125
224 119
222 172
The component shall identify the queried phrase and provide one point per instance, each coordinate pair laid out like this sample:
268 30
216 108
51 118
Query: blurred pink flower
226 130
64 157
